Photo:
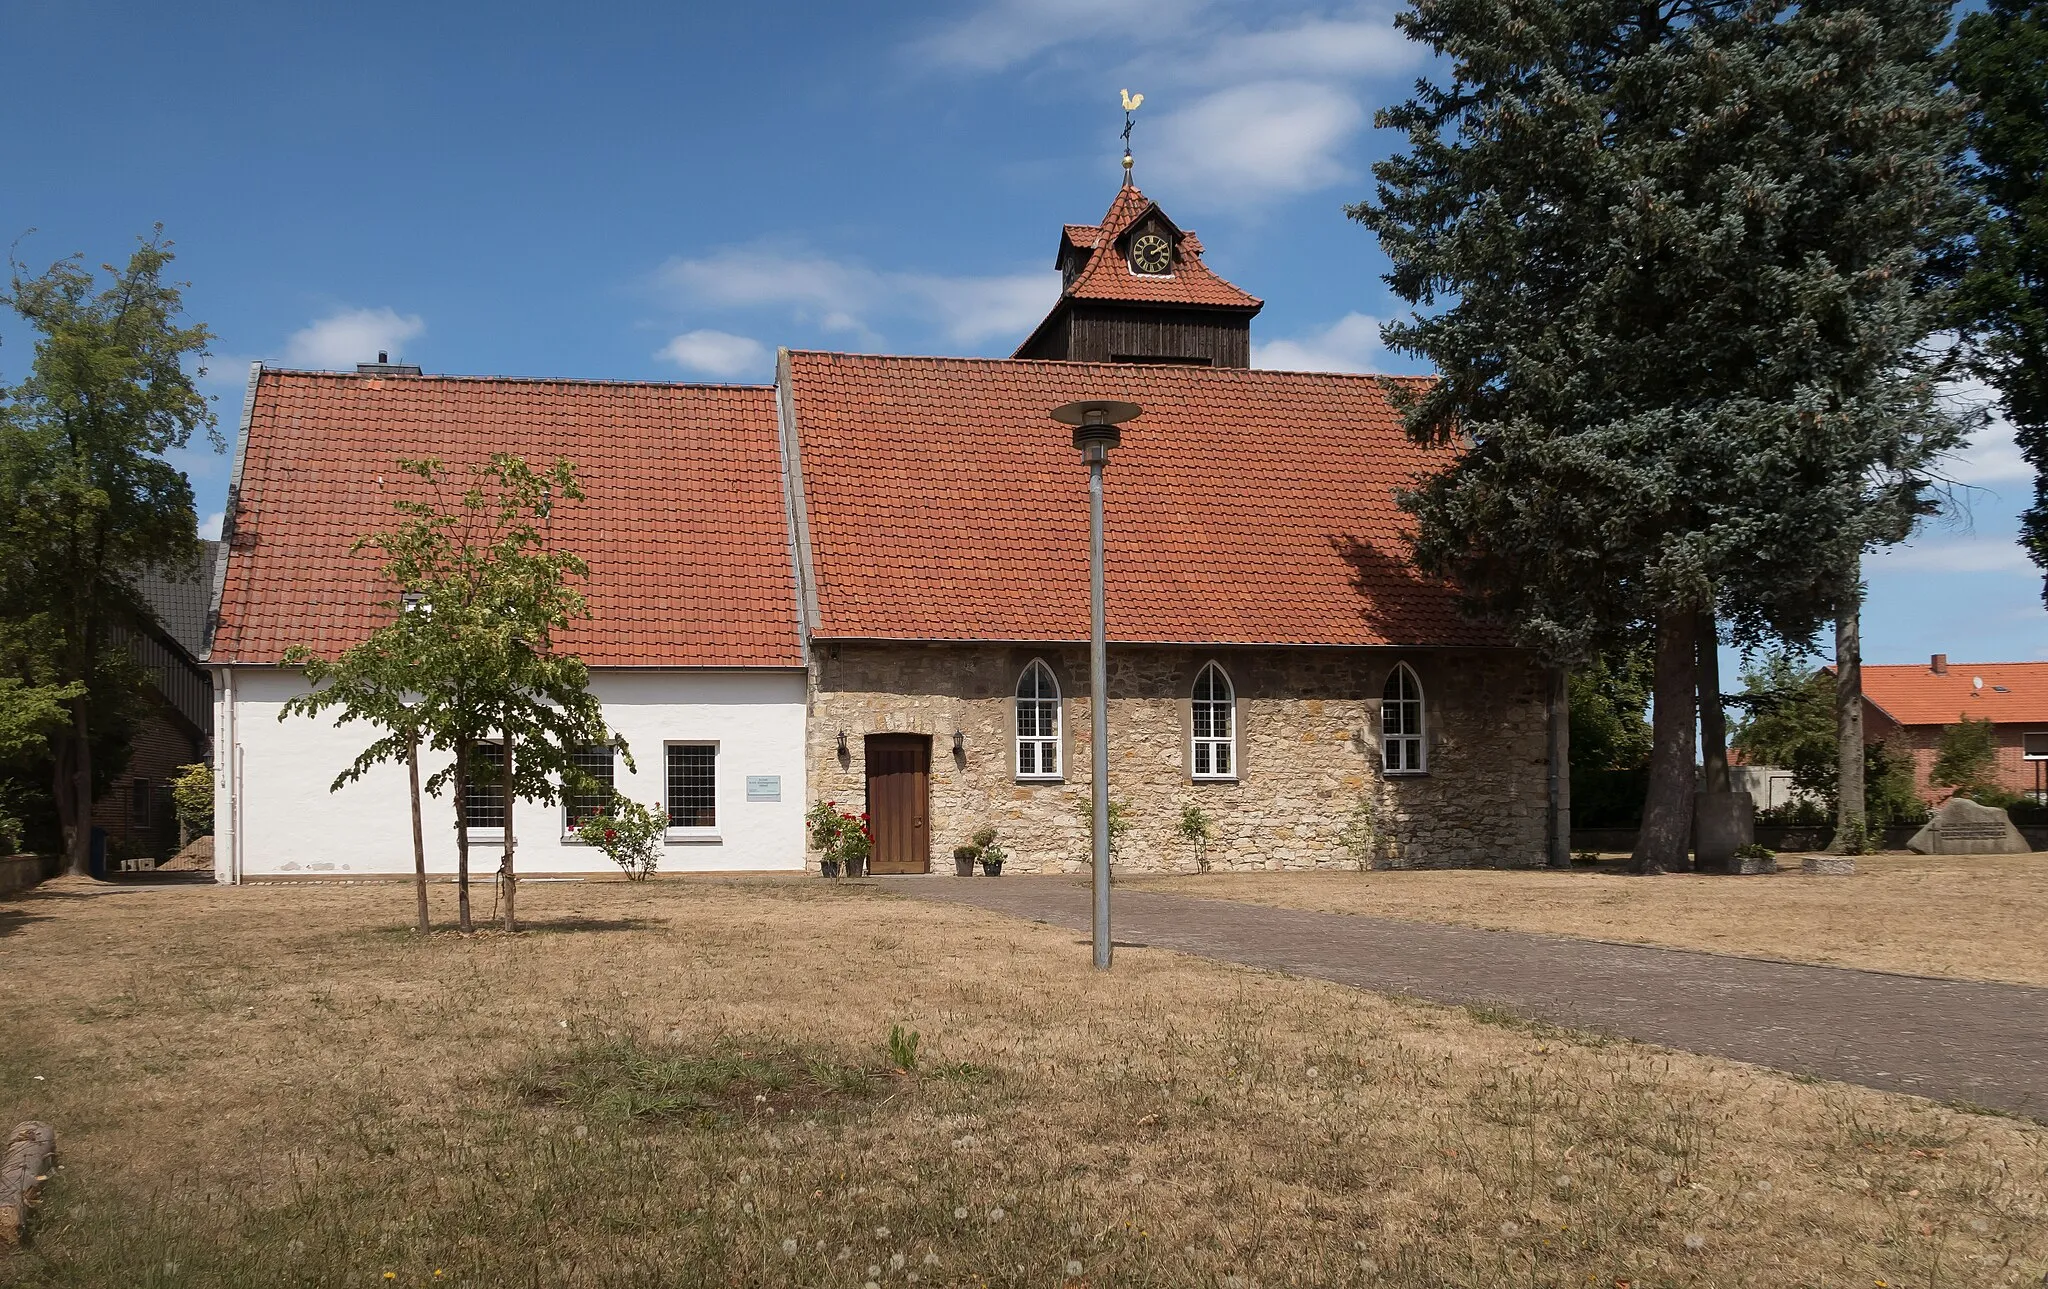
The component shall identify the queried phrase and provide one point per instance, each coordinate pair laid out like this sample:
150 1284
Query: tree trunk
77 794
1713 721
1851 837
1662 843
1560 720
507 883
22 1170
419 838
462 835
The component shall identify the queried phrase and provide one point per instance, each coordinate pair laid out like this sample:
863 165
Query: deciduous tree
87 501
489 591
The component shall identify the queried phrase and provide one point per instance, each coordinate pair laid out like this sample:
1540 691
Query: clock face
1151 253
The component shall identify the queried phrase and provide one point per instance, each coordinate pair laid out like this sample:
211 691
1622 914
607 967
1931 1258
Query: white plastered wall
276 818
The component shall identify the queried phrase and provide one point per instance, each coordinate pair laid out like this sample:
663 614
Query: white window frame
1414 741
569 823
1221 750
681 832
1041 742
496 770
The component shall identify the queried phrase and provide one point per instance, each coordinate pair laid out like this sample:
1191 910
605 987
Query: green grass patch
624 1078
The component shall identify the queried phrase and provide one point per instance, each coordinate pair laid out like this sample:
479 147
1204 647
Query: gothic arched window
1038 724
1215 725
1401 722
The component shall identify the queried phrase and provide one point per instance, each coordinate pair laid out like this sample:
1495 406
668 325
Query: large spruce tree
2001 62
1666 258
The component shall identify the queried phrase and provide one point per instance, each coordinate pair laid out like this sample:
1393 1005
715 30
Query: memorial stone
1962 827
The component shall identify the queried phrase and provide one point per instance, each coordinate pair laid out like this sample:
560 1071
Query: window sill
1212 778
1404 774
1040 780
693 837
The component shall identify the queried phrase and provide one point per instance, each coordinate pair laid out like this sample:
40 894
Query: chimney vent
385 367
1938 664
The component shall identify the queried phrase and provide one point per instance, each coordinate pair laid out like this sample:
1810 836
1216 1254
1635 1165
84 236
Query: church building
868 584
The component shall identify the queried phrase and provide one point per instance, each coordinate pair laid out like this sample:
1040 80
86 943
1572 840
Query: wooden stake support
23 1169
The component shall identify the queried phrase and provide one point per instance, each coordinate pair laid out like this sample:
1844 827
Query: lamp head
1096 423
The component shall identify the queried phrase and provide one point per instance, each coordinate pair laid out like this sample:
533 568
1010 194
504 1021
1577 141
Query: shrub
630 834
1800 812
1966 757
1198 830
841 838
1360 834
987 849
192 798
1119 825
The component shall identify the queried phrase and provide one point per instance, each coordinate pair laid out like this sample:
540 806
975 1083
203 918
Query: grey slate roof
181 603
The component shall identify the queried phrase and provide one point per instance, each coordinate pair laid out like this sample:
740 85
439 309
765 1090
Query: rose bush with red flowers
630 834
842 838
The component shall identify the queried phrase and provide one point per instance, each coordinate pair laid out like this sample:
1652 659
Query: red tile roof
1107 274
1245 507
683 528
2012 693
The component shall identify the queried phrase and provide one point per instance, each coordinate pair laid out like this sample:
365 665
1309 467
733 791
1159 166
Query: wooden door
899 797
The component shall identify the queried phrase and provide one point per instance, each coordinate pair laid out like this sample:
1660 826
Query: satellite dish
1976 682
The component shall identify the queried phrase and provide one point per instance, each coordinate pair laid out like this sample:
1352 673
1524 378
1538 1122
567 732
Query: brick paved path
1948 1039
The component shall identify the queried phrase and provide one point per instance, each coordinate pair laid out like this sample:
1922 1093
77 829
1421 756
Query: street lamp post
1096 431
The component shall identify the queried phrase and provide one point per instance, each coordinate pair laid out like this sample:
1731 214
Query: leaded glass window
1038 724
693 785
1401 722
1215 725
596 761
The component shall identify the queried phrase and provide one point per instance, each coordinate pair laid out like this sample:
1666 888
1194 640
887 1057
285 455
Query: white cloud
1350 344
1249 101
853 299
1007 32
209 527
717 353
1955 555
1993 456
1310 47
973 309
1262 140
342 339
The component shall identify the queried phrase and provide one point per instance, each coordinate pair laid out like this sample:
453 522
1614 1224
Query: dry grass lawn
1972 916
689 1083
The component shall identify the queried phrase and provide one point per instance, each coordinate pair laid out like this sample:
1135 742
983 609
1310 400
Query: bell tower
1134 290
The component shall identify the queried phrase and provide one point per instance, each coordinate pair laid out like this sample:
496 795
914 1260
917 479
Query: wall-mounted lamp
959 743
842 742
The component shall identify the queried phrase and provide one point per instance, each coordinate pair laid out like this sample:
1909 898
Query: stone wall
1307 746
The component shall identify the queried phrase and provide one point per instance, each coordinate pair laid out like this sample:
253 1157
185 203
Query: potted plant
990 854
963 860
841 838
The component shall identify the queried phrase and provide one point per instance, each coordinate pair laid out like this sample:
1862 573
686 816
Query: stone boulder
1962 827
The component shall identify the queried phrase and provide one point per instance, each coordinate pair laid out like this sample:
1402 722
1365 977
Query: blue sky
671 191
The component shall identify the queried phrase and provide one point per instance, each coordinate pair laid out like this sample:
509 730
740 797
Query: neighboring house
869 585
693 647
135 812
1909 707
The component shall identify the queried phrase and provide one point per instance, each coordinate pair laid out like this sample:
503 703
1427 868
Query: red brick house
1910 705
